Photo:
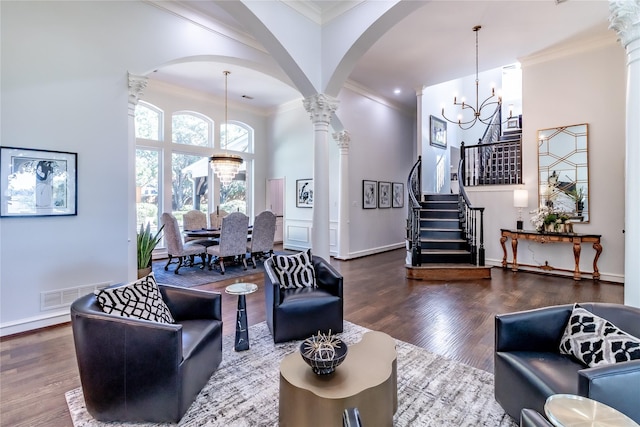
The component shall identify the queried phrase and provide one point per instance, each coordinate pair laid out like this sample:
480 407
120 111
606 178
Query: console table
575 238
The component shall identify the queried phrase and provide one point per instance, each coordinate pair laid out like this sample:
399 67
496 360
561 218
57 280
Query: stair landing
445 271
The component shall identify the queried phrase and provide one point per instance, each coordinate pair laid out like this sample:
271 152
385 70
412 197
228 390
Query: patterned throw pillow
596 341
295 271
138 300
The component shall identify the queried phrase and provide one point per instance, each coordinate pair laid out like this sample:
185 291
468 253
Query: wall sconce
520 200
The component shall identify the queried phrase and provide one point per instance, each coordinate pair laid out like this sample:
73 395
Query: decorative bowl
323 353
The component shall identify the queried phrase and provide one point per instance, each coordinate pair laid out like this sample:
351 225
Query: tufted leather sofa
137 370
529 367
294 314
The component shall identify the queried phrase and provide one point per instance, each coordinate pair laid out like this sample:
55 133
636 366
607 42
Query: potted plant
147 242
578 196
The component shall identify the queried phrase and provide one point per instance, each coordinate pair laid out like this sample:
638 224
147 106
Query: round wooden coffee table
367 380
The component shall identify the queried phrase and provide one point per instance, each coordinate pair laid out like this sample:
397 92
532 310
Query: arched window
233 197
148 121
240 137
191 129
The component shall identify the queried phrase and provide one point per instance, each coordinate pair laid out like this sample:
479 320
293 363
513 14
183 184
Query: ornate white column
320 108
625 20
137 84
343 138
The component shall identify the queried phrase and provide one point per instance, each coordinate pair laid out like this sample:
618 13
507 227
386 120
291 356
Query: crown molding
207 23
569 49
370 94
321 15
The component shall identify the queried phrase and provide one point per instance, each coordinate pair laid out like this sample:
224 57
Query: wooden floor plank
454 319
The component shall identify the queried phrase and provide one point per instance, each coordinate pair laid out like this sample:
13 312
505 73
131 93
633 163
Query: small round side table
568 410
242 330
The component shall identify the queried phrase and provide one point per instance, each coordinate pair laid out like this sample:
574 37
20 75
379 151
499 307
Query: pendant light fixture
477 110
225 165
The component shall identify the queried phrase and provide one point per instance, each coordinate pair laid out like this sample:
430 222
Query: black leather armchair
294 314
529 367
531 418
137 370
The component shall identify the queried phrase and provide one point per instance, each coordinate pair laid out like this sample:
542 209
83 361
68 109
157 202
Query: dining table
209 233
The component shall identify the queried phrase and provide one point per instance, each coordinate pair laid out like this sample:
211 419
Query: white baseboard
36 322
607 277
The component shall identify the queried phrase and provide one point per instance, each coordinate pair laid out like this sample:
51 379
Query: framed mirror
563 170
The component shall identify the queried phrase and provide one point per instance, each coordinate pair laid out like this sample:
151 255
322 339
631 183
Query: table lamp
520 200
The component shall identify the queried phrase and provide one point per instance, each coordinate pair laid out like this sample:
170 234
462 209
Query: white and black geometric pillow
295 271
596 341
139 300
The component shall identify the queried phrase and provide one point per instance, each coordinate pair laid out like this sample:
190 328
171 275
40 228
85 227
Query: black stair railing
414 189
491 161
472 221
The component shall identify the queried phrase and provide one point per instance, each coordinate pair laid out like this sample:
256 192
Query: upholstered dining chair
262 235
298 310
196 220
176 248
215 219
233 240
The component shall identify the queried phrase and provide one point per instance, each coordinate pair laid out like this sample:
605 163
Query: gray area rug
194 276
432 390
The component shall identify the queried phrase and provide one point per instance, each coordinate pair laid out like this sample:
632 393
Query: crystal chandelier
225 165
477 110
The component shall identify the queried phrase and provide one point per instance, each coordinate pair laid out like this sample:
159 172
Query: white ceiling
432 45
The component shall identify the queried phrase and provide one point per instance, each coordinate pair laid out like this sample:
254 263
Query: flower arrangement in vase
546 219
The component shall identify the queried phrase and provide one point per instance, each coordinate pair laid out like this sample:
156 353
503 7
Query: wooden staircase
445 254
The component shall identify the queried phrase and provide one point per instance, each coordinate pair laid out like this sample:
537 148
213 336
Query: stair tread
445 251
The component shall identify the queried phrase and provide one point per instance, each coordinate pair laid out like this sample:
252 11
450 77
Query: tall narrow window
147 186
189 184
233 197
148 122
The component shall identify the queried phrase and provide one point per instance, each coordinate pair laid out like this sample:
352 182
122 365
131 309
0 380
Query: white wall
433 99
64 87
381 149
584 85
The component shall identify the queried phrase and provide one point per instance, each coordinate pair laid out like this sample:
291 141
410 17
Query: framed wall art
38 182
384 194
437 132
369 194
397 200
304 193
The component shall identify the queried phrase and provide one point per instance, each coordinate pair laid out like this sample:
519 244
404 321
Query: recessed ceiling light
397 91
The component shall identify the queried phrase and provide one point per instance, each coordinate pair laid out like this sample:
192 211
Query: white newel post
137 84
342 139
320 108
625 20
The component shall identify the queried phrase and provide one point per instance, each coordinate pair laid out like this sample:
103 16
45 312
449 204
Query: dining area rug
432 390
194 276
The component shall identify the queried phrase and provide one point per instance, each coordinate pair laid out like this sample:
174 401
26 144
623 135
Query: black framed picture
397 200
384 194
38 182
369 194
437 132
304 193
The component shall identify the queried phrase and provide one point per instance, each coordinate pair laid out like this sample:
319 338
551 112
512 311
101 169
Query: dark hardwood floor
454 319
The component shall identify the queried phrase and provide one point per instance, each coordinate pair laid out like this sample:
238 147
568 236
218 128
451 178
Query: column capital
343 138
137 85
320 107
624 19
